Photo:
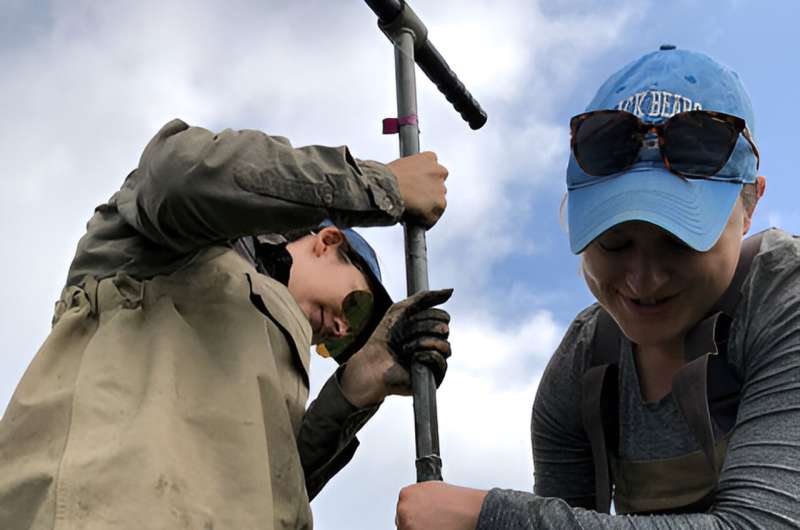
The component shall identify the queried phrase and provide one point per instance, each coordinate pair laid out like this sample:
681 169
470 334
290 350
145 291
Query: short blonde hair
749 196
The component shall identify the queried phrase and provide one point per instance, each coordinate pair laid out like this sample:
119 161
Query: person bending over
171 391
676 394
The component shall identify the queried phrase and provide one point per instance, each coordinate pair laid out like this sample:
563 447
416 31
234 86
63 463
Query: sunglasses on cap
694 144
357 309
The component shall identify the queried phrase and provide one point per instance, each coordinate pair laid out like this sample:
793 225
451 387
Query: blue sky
86 84
752 38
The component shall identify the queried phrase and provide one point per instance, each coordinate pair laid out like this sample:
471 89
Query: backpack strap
690 390
750 247
599 404
607 340
707 387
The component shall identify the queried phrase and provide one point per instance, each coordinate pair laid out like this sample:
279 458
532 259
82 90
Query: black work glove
411 330
422 336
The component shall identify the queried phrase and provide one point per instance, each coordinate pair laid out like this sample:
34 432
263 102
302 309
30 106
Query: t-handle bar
393 14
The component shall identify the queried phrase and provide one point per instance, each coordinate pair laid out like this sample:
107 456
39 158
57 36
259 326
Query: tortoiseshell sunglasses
693 144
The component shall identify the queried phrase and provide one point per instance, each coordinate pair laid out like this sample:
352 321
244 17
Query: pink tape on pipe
392 125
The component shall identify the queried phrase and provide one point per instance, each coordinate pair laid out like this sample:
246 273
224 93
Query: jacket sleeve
327 440
193 187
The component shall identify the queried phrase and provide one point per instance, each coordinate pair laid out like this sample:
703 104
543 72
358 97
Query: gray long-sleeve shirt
759 484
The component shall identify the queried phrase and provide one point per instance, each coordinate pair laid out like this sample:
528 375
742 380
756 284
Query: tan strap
598 406
598 409
689 387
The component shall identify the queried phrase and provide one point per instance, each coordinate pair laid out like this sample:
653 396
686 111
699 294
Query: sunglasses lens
605 143
357 309
698 144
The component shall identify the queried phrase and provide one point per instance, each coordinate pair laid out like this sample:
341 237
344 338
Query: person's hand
421 179
439 506
411 330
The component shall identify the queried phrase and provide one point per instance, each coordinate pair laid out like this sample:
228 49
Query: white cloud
775 219
770 217
484 421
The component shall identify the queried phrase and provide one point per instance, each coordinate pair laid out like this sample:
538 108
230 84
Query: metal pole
410 38
429 463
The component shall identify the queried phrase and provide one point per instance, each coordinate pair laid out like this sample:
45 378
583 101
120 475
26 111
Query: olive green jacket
171 390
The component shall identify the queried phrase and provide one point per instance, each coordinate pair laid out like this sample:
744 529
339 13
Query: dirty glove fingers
429 350
433 360
426 343
424 300
398 315
433 313
431 321
429 327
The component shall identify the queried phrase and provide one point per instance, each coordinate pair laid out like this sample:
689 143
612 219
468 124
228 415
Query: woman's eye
614 246
677 244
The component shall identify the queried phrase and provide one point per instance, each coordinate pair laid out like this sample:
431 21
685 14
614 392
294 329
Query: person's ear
327 240
761 187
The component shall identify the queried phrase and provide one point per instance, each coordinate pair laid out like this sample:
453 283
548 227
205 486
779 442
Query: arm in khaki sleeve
327 440
194 187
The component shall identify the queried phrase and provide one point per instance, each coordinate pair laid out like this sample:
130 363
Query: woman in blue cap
676 395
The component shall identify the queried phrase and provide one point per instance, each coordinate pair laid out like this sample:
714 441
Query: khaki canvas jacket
171 390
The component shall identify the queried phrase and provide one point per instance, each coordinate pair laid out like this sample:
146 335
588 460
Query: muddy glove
422 337
411 330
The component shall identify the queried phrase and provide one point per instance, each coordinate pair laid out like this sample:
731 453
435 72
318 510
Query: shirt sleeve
759 483
193 187
562 453
327 440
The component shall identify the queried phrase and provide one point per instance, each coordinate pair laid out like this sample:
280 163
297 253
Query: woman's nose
646 275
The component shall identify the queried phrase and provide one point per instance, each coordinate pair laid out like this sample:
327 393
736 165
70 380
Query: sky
86 84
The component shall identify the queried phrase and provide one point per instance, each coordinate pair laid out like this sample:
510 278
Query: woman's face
655 286
320 280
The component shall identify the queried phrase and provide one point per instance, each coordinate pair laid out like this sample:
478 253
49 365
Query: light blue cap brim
694 210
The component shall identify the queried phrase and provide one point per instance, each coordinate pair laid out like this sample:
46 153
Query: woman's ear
761 187
329 238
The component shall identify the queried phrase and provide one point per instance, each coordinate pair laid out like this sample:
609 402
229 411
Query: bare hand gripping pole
410 38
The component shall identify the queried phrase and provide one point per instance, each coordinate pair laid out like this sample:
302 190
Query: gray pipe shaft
429 464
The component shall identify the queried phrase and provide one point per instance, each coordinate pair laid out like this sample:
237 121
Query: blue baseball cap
366 260
655 87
